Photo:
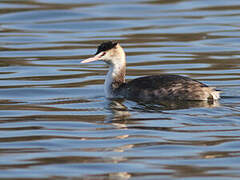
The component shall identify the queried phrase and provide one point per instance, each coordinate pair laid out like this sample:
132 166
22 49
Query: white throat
115 76
108 83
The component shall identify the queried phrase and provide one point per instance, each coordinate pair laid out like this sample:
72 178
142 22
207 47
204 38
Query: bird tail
215 93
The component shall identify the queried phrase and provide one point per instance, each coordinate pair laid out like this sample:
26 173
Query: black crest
106 46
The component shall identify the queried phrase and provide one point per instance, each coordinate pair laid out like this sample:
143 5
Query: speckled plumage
165 87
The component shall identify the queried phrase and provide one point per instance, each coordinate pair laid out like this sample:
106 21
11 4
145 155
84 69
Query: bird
147 88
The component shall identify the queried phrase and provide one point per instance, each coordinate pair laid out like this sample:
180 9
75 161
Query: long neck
115 77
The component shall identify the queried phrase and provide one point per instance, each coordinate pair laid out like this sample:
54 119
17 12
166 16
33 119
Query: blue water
56 122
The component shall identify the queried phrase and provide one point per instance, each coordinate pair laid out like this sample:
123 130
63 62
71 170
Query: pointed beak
94 58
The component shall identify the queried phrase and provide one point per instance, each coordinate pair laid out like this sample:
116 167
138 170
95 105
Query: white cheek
107 57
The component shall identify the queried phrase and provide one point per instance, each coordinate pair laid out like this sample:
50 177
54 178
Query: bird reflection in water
120 112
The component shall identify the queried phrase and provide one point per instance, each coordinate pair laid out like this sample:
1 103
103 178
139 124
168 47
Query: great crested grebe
155 87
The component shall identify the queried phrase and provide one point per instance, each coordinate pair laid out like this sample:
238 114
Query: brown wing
164 86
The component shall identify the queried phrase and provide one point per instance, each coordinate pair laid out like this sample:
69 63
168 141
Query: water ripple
55 121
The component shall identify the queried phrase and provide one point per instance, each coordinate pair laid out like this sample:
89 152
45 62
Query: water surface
55 121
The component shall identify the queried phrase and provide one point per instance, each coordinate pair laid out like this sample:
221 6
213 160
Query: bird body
155 87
